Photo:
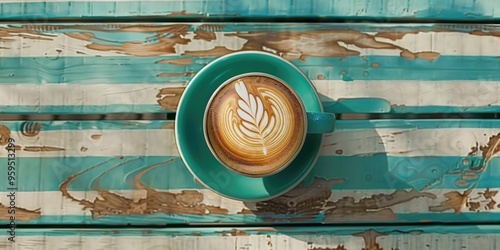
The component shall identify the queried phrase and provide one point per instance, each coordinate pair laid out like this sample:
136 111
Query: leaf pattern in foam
255 121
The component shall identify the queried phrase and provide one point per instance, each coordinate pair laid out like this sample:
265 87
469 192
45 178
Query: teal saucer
194 150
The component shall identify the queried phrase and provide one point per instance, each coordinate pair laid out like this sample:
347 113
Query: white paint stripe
160 142
222 241
76 94
409 93
52 202
444 43
82 143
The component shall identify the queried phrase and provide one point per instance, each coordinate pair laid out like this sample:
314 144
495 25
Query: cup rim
304 128
263 195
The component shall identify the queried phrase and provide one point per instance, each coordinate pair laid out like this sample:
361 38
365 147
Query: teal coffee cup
249 126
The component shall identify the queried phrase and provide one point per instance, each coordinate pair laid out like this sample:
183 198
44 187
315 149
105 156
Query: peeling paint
169 97
21 214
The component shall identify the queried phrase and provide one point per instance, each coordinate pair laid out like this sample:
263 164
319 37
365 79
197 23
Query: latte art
255 124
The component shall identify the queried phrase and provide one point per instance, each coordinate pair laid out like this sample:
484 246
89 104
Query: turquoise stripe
124 70
360 172
291 231
250 219
342 125
380 10
15 126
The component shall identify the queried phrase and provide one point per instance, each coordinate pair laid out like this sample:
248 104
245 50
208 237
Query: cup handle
320 123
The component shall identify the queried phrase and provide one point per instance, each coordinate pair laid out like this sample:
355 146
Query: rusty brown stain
169 125
216 51
204 35
4 135
339 151
319 43
84 149
375 65
235 232
375 207
21 214
169 97
340 247
158 45
96 137
84 36
42 149
487 151
454 200
394 35
176 61
246 211
30 129
111 204
15 148
370 239
175 74
320 77
7 34
484 33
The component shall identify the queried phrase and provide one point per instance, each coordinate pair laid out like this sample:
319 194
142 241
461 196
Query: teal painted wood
420 68
256 238
379 10
119 172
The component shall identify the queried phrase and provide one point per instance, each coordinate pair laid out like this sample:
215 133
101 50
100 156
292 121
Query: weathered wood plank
119 172
379 10
143 68
264 238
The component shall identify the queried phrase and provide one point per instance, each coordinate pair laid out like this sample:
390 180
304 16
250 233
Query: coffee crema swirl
255 124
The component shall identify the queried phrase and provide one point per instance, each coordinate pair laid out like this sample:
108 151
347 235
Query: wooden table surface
89 90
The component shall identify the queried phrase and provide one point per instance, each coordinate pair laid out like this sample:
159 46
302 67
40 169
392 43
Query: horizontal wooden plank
257 238
380 10
119 172
143 68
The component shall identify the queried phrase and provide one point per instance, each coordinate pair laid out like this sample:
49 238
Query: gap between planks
171 116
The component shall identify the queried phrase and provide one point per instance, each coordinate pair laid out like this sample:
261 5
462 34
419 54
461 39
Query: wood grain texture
261 238
377 10
144 67
121 172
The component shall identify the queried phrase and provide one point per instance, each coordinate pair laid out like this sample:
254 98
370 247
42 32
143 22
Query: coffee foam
255 125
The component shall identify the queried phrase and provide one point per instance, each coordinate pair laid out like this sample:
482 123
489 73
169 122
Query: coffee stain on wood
21 214
177 61
42 149
4 135
111 204
370 239
96 136
30 129
454 200
375 207
169 97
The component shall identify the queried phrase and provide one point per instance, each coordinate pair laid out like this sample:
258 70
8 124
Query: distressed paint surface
265 238
378 10
144 68
118 172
